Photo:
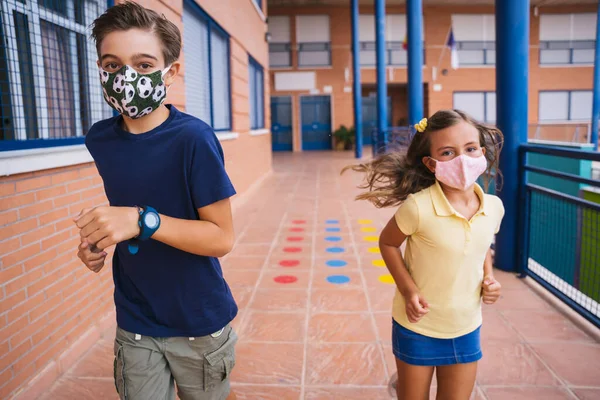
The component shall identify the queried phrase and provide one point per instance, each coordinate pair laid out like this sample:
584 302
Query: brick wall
52 308
437 20
48 299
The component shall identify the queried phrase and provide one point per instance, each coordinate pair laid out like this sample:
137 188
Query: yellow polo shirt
445 254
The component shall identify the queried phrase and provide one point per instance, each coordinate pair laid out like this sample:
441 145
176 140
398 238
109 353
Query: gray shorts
147 368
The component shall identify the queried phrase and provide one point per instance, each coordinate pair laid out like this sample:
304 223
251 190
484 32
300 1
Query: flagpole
445 46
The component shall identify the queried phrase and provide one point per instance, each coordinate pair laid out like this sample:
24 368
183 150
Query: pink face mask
461 172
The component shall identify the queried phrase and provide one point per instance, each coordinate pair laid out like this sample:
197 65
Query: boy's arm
211 236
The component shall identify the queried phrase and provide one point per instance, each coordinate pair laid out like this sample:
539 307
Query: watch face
151 220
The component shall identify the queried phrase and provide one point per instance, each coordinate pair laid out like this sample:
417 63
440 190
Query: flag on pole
405 42
451 44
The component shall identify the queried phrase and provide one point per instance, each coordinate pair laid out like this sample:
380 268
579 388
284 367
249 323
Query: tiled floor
315 300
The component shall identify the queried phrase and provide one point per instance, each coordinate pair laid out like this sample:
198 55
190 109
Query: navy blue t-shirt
176 168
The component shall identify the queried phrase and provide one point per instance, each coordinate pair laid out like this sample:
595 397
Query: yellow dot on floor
371 238
374 250
389 279
365 221
378 263
368 229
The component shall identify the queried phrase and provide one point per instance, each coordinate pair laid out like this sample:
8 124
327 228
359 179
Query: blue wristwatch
149 222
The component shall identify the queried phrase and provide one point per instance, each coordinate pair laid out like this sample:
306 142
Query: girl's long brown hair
393 176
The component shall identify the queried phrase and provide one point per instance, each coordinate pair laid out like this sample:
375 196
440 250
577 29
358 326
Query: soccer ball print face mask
133 94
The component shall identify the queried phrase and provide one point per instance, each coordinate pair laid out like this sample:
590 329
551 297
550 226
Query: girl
449 225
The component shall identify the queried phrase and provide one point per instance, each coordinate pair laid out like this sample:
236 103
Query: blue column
357 91
381 68
512 74
596 100
414 20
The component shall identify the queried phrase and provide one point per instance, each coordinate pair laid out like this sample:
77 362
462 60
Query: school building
238 68
311 67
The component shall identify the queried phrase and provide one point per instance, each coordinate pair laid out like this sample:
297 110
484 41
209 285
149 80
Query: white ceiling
305 3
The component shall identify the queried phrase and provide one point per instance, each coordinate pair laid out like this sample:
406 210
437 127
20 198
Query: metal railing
560 225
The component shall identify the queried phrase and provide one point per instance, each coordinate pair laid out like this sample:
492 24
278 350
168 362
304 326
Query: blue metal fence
560 232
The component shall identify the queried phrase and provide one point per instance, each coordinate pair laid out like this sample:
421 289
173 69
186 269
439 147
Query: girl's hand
416 307
490 290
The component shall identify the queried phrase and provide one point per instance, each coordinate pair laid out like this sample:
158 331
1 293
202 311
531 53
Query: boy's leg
456 382
202 365
141 369
414 381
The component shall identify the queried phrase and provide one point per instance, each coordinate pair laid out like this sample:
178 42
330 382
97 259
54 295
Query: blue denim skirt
416 349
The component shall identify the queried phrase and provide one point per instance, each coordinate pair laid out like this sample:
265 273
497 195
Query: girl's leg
414 381
456 382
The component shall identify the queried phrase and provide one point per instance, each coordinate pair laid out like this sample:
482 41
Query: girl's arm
389 242
490 288
488 265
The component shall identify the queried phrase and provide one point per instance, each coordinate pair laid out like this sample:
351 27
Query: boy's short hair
130 15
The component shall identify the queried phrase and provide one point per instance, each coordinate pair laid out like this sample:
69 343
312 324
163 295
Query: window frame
486 45
485 102
281 47
546 44
253 96
325 44
35 15
569 105
565 44
210 25
365 46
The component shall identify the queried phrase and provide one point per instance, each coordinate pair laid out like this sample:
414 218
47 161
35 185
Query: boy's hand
490 290
106 226
92 257
416 307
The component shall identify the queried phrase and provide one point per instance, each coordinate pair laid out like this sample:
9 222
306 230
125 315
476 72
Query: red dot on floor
285 279
289 263
298 221
295 239
296 229
292 249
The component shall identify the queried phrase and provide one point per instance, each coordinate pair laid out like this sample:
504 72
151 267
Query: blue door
315 114
369 117
281 123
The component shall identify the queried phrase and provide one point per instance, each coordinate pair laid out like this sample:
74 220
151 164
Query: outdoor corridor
315 306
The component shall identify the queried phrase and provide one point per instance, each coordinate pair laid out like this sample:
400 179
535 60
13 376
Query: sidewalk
315 302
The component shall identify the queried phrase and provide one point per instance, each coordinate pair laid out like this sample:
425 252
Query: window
475 36
575 105
567 38
280 43
314 44
479 105
395 27
50 93
207 83
257 94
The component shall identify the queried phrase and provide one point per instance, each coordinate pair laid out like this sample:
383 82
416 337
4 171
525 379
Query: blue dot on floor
332 221
336 263
335 250
332 229
333 238
338 279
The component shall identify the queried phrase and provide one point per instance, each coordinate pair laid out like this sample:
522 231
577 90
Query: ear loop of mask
162 75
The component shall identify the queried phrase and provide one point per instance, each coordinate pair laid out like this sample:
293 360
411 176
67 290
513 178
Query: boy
169 217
